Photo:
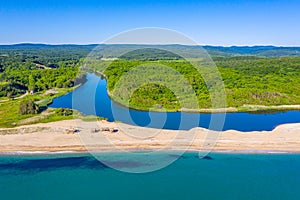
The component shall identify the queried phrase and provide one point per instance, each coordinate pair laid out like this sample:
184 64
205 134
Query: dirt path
19 97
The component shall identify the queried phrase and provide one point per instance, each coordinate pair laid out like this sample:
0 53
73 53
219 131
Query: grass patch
44 102
9 113
9 110
53 118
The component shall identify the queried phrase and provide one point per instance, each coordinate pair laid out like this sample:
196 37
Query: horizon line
203 45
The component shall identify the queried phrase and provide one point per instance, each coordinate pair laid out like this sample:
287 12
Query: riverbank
54 137
246 108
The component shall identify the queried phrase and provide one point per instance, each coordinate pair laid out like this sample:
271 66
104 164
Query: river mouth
92 99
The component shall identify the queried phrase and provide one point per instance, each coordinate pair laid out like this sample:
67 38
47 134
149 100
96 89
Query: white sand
52 137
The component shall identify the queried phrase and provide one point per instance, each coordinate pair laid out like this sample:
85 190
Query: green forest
261 81
37 69
247 81
267 76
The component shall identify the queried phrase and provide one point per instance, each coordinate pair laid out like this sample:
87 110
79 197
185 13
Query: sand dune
58 136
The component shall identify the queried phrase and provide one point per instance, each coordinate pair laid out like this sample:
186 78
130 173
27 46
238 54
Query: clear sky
211 22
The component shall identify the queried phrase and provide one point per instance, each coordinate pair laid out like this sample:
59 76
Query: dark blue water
92 99
222 176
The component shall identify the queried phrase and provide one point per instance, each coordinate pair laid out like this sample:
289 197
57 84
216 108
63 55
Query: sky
208 22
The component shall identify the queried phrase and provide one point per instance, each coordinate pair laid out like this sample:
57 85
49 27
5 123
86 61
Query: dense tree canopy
247 80
36 70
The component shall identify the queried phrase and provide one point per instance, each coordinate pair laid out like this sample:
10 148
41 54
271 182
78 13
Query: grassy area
10 116
9 113
3 98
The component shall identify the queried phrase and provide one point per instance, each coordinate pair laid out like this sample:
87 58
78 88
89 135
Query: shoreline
51 138
90 153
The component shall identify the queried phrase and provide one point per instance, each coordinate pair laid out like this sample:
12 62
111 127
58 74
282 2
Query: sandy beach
79 136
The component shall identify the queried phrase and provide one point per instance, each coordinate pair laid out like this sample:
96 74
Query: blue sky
211 22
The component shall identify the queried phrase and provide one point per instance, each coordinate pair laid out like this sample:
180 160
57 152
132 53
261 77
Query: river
92 99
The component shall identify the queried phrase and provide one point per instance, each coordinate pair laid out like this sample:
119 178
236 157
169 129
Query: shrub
28 107
64 112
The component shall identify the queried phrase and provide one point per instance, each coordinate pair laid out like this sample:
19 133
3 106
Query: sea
218 175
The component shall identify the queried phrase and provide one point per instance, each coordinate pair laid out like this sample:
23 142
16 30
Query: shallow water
218 176
92 99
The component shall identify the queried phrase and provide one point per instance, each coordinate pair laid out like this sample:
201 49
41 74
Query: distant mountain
267 51
113 50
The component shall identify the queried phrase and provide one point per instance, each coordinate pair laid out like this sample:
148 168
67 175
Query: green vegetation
10 115
37 69
46 71
64 112
159 96
28 107
154 96
254 78
247 80
261 81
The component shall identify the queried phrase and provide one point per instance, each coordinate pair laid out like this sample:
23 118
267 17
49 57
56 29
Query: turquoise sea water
218 176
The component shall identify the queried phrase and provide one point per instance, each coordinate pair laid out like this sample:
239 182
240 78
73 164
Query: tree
28 107
31 83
